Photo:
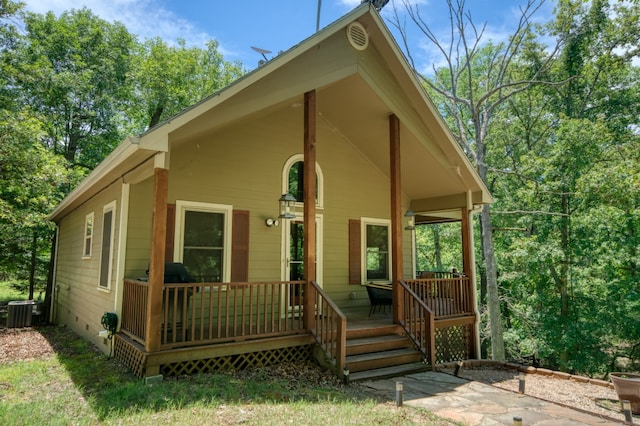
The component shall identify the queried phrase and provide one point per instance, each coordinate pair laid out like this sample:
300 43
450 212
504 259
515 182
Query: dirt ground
40 342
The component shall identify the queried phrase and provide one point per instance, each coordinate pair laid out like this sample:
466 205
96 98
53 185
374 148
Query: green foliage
71 88
32 181
439 247
169 79
72 72
562 161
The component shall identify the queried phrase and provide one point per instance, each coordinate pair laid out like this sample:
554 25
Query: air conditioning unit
20 314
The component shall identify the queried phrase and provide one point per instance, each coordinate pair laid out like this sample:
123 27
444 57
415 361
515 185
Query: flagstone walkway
475 403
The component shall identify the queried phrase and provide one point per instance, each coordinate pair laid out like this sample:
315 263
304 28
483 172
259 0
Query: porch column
309 233
467 242
468 265
156 262
396 216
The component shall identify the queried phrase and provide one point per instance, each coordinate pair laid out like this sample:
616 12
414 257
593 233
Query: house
270 277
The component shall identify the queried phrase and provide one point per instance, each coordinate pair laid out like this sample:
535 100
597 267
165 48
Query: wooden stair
381 352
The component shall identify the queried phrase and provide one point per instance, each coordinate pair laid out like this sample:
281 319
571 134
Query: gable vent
357 36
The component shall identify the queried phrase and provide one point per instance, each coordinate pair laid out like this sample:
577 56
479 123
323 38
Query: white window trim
319 176
108 207
183 206
89 217
364 221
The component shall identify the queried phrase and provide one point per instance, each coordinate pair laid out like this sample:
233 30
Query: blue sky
272 25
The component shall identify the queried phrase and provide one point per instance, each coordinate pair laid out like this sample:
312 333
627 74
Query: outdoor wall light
410 218
287 205
271 222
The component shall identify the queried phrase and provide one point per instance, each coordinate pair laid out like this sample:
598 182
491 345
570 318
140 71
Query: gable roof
357 90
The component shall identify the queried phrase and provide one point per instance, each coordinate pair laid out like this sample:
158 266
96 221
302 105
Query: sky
274 25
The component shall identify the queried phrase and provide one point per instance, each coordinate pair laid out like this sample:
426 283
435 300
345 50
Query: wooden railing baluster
206 313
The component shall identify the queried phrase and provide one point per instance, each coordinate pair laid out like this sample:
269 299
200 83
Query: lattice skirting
296 354
129 355
454 343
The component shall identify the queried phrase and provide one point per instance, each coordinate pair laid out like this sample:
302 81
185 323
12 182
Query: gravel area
596 399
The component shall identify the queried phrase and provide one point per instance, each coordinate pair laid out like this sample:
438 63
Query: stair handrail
418 321
330 330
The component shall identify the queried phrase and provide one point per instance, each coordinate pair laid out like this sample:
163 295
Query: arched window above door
293 180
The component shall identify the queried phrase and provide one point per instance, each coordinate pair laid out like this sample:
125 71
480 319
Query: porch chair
379 296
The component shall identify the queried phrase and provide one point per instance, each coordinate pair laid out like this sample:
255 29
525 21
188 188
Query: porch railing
206 313
134 309
435 274
330 329
419 322
446 297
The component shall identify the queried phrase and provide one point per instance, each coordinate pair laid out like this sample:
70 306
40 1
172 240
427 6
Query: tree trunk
32 266
48 294
436 244
564 275
493 296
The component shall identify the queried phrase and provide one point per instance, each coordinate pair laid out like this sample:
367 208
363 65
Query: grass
81 386
8 293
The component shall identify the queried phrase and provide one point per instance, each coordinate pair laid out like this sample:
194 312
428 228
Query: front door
293 253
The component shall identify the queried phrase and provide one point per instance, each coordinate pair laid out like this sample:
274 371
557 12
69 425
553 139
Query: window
88 235
204 240
106 249
376 256
293 179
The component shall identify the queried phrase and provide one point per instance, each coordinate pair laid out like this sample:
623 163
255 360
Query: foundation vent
357 36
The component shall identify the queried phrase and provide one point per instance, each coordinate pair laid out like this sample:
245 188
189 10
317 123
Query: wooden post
156 261
467 243
309 207
396 216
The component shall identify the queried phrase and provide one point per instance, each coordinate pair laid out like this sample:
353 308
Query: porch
211 326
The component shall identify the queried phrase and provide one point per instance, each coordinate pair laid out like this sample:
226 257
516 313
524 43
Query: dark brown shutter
240 246
171 233
355 254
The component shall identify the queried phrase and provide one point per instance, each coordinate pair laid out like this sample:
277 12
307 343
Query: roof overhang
356 94
125 163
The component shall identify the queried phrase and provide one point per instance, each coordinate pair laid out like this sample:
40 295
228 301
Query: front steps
381 352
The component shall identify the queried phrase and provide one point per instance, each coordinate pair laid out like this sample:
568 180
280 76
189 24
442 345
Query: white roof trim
125 150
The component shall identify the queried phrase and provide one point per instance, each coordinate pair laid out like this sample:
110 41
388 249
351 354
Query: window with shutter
203 240
375 251
106 252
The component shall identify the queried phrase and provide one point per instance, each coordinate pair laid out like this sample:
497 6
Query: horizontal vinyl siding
242 166
79 302
139 232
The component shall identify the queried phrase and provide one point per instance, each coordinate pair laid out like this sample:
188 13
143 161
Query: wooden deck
214 326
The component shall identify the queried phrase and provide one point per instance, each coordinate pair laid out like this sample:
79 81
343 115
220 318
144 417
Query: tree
72 72
32 181
475 82
567 158
169 79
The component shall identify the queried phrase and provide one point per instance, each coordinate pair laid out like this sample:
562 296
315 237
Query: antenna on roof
263 52
318 16
378 4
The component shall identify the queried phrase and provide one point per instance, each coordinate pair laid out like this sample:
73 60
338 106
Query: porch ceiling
353 109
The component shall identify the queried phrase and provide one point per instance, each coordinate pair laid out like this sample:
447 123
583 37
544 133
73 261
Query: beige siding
139 232
79 302
242 166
